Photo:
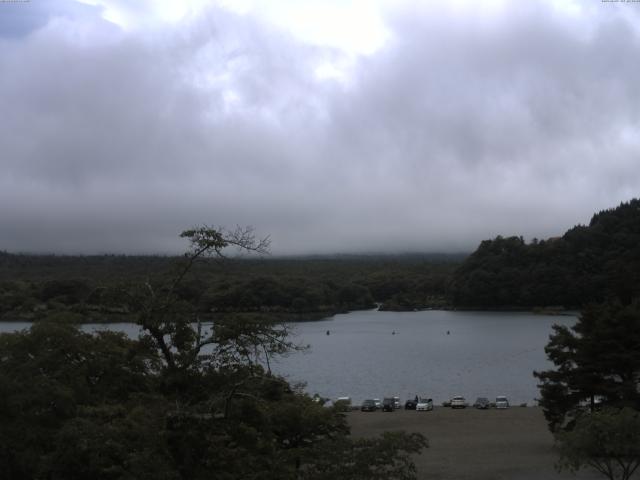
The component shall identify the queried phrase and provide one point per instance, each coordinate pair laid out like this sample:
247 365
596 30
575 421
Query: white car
424 405
378 403
502 402
396 402
458 402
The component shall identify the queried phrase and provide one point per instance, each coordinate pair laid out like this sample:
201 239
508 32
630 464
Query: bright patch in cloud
354 27
131 15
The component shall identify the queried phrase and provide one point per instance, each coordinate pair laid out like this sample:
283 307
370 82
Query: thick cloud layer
522 119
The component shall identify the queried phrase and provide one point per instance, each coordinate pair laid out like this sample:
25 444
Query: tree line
587 264
36 287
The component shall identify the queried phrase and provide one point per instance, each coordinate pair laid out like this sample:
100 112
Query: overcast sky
332 126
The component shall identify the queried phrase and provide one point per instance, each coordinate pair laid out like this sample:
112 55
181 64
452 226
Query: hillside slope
587 264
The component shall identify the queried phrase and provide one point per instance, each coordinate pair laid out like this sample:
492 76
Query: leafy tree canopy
597 361
587 264
607 441
186 400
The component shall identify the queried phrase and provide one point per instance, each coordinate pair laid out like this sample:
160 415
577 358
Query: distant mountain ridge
587 264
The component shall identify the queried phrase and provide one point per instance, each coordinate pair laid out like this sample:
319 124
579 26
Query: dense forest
587 264
34 287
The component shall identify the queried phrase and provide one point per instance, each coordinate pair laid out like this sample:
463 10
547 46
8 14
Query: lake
484 354
371 354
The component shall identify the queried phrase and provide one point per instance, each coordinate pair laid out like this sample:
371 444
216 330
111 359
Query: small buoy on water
447 332
328 332
393 333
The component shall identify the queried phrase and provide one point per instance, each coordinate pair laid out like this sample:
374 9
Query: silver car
502 402
424 405
458 402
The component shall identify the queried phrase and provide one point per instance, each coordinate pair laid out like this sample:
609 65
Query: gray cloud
462 127
19 18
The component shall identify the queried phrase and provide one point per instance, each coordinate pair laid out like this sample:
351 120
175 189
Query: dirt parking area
474 444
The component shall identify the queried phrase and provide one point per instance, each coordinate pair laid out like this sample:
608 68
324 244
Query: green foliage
597 358
294 289
65 291
112 442
49 376
385 458
587 264
185 401
607 441
80 406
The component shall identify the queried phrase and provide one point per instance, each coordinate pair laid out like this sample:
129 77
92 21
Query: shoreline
288 317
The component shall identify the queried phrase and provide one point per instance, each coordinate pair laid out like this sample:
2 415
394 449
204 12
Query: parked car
482 403
502 402
396 402
411 404
388 404
343 404
378 403
458 402
368 406
424 405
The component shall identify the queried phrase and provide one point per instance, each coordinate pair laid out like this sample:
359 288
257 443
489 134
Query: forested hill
587 264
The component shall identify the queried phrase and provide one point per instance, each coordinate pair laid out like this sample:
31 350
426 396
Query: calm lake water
484 354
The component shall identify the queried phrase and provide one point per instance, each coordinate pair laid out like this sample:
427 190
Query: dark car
411 404
368 406
482 403
388 404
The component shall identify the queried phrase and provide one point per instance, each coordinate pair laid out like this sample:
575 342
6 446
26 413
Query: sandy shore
474 444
